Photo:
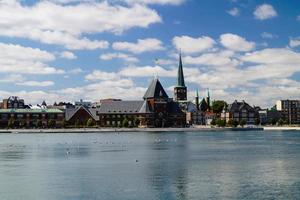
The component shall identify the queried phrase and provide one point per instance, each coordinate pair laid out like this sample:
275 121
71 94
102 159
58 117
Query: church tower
180 90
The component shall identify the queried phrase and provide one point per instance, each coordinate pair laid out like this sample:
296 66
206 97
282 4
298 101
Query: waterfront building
240 111
29 118
289 110
13 102
155 110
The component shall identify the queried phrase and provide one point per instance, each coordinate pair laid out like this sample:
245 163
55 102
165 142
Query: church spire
180 76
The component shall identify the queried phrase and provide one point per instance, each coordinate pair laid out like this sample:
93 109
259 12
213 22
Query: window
108 123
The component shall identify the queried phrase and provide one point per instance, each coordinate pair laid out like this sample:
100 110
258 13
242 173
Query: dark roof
203 105
70 112
174 107
155 90
237 106
180 76
120 107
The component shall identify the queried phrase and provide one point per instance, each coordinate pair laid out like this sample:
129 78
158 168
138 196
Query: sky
66 50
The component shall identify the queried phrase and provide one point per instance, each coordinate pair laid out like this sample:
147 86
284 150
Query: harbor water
150 166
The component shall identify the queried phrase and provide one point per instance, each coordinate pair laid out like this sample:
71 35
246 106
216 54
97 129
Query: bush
235 123
51 123
90 122
213 122
230 122
125 122
243 123
137 122
11 123
257 121
221 123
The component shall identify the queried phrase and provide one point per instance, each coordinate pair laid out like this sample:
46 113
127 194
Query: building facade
289 110
13 102
240 111
29 118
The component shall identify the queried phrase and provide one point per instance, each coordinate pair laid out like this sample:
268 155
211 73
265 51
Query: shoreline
158 130
118 130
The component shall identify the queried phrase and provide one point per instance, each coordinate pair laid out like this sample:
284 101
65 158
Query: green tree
11 123
90 122
64 123
77 123
136 122
39 124
221 123
257 121
51 123
23 124
243 123
125 122
218 105
230 122
213 122
280 122
235 123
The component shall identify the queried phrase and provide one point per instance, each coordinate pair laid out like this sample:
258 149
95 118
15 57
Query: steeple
197 100
180 90
180 76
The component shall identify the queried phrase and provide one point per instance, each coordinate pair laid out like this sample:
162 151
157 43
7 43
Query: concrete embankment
117 130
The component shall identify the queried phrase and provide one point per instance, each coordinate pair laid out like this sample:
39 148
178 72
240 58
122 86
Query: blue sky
65 50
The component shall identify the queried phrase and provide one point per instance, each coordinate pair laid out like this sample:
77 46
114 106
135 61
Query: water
206 165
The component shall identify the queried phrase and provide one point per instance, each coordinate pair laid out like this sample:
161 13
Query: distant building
13 102
79 115
22 118
83 103
239 111
156 110
290 110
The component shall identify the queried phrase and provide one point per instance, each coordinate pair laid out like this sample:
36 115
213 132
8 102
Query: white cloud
101 75
267 35
298 18
264 11
36 83
234 12
142 45
193 45
123 56
160 2
76 71
12 78
236 43
25 60
223 59
68 55
295 42
59 24
273 56
146 71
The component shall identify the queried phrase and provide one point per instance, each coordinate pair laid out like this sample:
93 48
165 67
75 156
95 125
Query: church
155 110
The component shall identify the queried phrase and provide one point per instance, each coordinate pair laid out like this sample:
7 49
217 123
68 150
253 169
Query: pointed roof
145 108
180 76
155 90
203 105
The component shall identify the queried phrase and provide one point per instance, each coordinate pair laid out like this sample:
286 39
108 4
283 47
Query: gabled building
240 111
155 110
79 115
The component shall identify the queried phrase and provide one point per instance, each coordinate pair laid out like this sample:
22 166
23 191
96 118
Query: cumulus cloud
25 60
123 56
36 83
267 35
141 46
234 12
59 24
193 45
264 11
160 2
101 75
146 71
236 43
294 42
68 55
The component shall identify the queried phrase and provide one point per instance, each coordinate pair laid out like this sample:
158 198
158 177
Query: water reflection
167 173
